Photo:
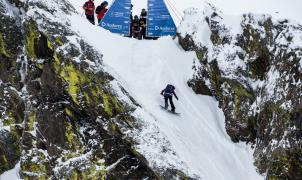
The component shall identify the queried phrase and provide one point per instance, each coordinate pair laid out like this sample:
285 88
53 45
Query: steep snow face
197 137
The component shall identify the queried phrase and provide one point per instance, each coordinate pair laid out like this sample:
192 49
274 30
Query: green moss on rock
70 136
59 42
4 164
9 150
84 87
69 112
31 121
241 95
88 174
30 40
111 104
74 78
9 120
285 164
33 170
3 50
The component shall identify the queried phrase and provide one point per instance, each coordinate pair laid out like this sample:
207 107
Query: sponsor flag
159 21
117 18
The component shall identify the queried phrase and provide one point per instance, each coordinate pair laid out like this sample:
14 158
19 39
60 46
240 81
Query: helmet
135 17
144 12
170 86
105 3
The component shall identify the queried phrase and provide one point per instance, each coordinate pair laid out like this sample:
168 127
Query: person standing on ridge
101 11
143 23
136 28
168 93
89 10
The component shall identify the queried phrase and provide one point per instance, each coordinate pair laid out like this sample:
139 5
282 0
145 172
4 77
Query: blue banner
160 22
117 18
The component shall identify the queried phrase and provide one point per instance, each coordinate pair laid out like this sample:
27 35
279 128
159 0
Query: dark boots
171 103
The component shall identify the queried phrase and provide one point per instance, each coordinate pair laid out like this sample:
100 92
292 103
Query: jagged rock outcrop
59 114
253 66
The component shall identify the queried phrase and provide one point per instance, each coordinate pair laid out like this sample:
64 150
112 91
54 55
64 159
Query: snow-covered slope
197 137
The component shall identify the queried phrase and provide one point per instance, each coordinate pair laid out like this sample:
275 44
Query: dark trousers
90 18
131 30
143 33
171 102
136 34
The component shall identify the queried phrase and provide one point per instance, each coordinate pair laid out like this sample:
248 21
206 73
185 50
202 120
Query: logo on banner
160 22
165 28
112 26
117 14
118 17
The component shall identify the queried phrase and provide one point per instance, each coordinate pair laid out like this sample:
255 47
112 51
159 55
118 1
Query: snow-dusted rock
252 65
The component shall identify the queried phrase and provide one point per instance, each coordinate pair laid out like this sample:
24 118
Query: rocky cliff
253 66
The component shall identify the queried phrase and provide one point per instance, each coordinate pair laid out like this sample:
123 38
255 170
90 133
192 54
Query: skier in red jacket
89 10
101 10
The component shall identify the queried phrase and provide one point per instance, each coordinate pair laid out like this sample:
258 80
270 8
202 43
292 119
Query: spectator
89 10
101 10
136 28
143 23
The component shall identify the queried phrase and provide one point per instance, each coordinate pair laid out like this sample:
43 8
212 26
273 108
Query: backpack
169 89
99 9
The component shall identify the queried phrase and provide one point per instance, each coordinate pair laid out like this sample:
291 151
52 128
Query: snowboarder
136 28
89 10
168 93
101 10
143 23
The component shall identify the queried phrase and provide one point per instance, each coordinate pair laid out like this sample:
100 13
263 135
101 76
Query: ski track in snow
198 136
